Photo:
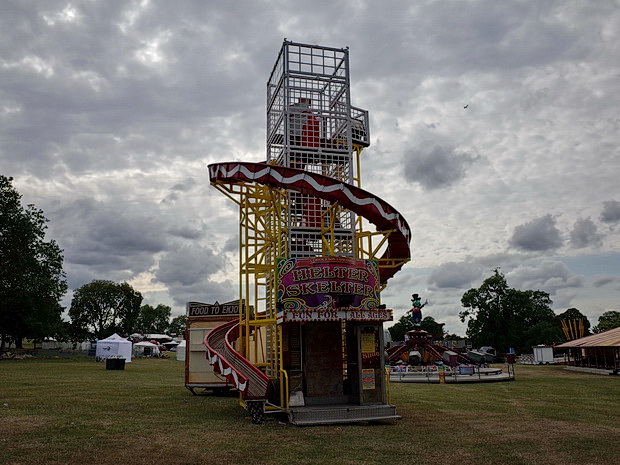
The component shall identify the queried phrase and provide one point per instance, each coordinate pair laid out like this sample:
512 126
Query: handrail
284 387
388 386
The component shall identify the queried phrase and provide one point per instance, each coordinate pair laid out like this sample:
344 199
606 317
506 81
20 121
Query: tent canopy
140 348
113 345
145 344
158 337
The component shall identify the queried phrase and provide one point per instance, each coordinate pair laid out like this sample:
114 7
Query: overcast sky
494 131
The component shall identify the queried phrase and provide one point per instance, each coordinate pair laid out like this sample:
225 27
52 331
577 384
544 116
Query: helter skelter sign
329 289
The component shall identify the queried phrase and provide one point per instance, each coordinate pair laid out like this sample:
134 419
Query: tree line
32 284
102 307
504 318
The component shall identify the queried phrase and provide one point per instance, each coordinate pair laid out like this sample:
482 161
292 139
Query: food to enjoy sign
201 309
327 283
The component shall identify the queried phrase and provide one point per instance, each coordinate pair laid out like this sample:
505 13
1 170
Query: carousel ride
421 359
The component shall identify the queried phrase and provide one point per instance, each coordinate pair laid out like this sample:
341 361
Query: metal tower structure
304 201
311 125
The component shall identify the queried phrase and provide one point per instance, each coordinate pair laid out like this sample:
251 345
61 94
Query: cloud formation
611 212
435 166
548 276
455 275
537 235
584 234
110 113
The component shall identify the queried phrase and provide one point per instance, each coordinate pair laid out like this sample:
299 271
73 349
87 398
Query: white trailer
543 355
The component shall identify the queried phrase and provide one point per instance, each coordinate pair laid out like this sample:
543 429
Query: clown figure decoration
416 309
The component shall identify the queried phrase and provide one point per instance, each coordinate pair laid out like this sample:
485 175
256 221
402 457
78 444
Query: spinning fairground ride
308 342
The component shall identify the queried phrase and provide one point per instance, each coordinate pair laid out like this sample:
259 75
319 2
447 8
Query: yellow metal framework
263 237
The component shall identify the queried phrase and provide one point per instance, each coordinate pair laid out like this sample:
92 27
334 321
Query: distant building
596 352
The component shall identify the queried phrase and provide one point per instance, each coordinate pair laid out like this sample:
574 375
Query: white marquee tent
113 345
181 350
145 349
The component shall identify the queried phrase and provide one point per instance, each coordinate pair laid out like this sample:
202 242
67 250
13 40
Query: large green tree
544 332
400 328
405 324
32 280
154 319
178 325
103 307
433 328
608 320
500 316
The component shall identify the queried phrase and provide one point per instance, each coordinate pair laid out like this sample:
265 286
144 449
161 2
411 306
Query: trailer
543 355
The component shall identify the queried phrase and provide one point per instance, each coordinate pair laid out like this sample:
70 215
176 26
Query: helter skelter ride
309 339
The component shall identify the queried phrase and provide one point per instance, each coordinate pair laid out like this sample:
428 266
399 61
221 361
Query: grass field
73 411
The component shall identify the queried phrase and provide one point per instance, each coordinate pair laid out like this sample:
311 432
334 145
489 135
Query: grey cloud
537 235
455 275
435 166
170 198
232 244
78 274
611 212
601 281
96 233
187 272
507 261
104 240
95 96
184 186
188 265
584 234
203 291
486 36
449 40
404 283
188 232
548 276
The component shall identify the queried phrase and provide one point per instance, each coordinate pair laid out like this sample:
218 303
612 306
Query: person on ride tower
416 310
304 132
303 125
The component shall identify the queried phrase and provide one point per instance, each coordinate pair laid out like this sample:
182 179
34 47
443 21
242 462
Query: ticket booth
334 362
332 329
201 319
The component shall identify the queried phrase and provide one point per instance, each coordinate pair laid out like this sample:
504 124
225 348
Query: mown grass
73 411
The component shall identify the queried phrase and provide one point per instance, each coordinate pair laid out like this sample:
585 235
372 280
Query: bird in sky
466 106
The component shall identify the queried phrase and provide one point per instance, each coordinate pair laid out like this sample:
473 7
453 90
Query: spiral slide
247 378
359 201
